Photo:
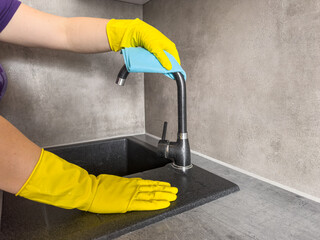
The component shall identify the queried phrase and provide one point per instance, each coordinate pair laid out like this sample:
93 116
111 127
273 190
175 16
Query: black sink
121 157
128 156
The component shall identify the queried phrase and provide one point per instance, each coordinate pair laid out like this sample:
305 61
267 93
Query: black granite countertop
25 219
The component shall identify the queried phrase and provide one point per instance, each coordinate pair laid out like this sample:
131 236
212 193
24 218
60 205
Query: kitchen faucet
178 151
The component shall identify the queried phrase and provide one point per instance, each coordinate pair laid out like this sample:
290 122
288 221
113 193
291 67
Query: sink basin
127 156
121 156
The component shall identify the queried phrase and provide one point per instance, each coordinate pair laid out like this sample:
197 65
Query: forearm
33 28
17 159
86 35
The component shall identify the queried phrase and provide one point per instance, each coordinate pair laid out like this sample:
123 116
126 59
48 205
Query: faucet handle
163 144
164 131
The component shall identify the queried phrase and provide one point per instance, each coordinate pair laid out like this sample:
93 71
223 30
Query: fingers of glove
162 57
166 44
155 183
174 52
173 190
155 41
141 205
147 196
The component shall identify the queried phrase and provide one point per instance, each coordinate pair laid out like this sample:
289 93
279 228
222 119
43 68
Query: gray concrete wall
253 84
57 97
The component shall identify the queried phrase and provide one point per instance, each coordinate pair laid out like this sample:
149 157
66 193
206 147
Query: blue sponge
141 60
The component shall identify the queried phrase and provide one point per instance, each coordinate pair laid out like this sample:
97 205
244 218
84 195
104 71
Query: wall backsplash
57 97
253 84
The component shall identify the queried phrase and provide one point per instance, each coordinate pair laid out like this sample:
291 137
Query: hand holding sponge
137 33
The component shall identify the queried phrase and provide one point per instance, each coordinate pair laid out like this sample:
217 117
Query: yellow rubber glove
136 33
57 182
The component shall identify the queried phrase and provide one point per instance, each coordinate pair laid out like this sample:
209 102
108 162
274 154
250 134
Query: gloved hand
136 33
57 182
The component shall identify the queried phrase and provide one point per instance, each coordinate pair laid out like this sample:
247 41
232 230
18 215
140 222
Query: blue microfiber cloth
141 60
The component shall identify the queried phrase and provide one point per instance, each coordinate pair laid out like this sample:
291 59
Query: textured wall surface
56 97
253 84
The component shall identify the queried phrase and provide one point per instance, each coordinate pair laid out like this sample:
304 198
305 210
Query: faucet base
182 168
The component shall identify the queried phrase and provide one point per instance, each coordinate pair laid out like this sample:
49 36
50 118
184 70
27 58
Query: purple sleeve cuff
7 9
3 82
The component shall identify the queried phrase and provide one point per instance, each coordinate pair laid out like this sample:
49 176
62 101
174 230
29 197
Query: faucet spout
122 76
182 104
178 151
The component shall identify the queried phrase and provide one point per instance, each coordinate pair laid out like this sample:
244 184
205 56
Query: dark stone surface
24 219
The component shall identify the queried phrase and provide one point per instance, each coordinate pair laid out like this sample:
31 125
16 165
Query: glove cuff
57 182
33 171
